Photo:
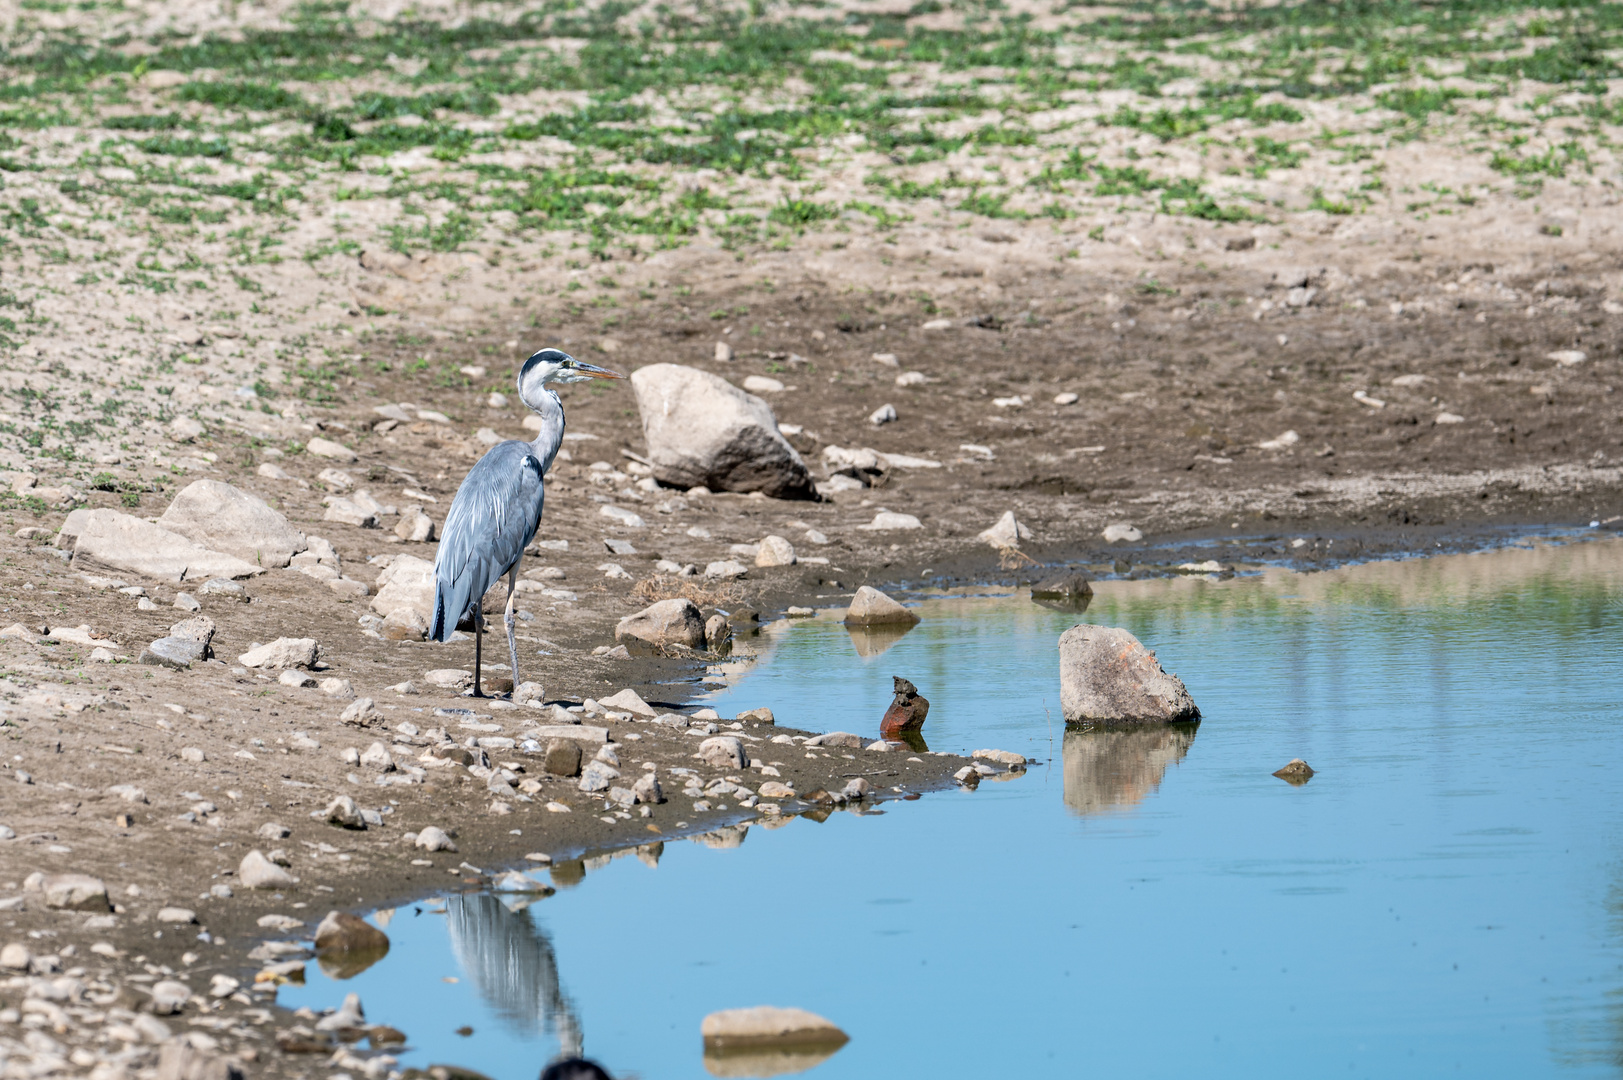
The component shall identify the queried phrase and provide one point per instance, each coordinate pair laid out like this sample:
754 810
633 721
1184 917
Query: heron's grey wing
494 514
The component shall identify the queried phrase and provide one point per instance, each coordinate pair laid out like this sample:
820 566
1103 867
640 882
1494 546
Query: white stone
888 521
328 449
282 653
433 838
630 519
870 607
358 711
882 415
258 872
1005 533
775 551
407 582
761 384
724 752
668 622
725 568
1121 532
1567 357
1066 398
628 700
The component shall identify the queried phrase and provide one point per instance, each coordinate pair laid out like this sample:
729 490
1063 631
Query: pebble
177 915
1119 533
193 755
1066 398
294 678
885 414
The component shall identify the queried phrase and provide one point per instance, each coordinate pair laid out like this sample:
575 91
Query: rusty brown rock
907 710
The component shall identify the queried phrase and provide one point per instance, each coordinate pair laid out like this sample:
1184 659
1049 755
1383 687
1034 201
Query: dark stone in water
1298 772
907 710
1065 591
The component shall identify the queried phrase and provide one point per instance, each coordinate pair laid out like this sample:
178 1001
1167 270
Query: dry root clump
703 594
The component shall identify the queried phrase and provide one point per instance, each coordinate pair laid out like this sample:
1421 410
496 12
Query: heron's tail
451 600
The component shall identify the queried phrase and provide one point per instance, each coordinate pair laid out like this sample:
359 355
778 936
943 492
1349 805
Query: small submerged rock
1296 772
767 1040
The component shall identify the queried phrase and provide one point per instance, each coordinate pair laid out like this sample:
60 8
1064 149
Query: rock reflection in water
1107 768
874 640
512 965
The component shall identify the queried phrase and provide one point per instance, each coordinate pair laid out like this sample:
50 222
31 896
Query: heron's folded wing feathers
494 514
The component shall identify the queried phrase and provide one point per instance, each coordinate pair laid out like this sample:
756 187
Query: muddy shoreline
370 870
1192 481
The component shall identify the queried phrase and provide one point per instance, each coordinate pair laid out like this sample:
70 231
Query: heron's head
556 366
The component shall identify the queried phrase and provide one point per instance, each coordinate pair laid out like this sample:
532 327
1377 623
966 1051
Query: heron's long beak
596 372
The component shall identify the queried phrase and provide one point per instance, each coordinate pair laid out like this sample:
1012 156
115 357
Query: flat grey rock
174 652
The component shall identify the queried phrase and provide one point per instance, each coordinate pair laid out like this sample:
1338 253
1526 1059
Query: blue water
1444 897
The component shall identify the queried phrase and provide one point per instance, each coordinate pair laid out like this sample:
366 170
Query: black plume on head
575 1069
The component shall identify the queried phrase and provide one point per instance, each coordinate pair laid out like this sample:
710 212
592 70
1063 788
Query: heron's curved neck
551 411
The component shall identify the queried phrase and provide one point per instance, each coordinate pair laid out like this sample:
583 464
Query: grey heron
498 508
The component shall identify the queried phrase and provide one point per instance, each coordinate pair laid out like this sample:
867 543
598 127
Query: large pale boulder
870 607
407 582
117 541
669 622
224 518
1107 676
704 431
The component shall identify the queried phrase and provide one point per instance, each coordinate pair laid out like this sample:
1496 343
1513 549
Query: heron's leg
511 619
478 641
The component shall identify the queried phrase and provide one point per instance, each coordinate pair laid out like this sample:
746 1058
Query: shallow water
1446 895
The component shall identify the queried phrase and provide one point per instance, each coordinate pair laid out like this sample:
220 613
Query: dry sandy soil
1392 327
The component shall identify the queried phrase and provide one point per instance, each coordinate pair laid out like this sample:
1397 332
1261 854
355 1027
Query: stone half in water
1297 772
1107 676
907 712
767 1041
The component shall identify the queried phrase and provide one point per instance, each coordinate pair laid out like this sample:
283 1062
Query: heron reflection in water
513 967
